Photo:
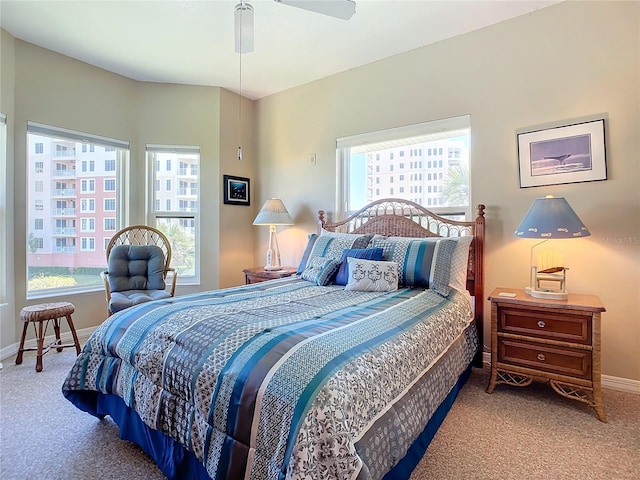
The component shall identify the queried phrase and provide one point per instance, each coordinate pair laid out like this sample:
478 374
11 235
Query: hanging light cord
240 79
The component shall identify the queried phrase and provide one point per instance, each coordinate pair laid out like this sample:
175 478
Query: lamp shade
551 217
273 212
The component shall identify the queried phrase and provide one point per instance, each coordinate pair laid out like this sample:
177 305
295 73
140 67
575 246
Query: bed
343 370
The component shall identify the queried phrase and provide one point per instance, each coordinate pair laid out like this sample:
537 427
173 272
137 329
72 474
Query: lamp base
272 268
548 294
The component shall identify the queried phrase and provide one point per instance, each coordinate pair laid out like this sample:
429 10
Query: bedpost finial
481 208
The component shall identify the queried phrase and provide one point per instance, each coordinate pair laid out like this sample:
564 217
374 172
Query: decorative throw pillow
372 275
331 245
423 262
307 251
320 270
367 253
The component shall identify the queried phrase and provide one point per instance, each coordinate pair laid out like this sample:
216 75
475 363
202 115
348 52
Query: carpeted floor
514 433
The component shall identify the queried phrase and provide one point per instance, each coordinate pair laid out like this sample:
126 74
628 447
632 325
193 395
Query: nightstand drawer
567 328
548 358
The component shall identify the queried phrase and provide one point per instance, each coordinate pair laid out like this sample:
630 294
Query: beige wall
236 232
56 90
568 61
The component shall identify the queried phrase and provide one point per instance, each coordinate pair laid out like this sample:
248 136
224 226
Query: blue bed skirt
178 463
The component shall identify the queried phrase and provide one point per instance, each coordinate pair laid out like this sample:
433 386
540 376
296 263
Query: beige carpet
514 433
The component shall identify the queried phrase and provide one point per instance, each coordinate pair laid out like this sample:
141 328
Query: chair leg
73 332
21 348
40 340
56 329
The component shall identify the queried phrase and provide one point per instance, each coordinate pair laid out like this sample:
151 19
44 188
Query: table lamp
549 218
273 213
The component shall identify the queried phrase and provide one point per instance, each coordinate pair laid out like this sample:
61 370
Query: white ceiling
191 42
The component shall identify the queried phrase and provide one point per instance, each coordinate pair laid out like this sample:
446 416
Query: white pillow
372 275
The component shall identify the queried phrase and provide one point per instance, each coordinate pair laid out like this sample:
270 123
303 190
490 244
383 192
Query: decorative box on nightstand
556 340
259 274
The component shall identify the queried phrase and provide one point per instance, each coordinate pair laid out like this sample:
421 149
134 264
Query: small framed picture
236 190
564 154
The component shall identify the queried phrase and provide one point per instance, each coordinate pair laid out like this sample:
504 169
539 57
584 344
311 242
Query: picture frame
236 190
563 154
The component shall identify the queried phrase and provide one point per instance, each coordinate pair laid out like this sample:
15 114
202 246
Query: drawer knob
541 357
541 324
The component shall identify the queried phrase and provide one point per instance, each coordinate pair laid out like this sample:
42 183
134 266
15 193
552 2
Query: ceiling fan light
243 16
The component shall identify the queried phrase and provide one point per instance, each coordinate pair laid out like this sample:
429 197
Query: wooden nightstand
259 274
550 339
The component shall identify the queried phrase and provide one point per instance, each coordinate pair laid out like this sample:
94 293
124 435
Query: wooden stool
46 312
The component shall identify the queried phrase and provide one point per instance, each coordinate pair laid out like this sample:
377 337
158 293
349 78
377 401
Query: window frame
155 212
75 151
409 135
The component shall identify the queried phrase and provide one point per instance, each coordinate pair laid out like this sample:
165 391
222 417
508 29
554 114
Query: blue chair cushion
136 267
121 300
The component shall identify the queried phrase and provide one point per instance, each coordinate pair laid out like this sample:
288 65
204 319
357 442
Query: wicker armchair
138 259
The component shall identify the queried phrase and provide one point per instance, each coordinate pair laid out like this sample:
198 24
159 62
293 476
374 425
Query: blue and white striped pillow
423 262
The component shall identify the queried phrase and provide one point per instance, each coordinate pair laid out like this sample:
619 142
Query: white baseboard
607 381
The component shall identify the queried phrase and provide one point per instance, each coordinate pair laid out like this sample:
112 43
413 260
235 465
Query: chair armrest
173 279
107 289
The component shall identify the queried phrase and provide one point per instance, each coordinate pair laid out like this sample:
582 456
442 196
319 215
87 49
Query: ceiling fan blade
343 9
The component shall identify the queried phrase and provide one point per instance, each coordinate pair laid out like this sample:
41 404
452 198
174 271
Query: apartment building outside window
175 204
82 179
442 184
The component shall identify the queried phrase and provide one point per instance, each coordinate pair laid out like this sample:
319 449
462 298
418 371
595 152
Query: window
39 224
88 186
109 224
176 210
87 244
88 224
86 205
449 184
61 259
88 166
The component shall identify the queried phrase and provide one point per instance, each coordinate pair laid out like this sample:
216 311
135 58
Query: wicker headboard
403 218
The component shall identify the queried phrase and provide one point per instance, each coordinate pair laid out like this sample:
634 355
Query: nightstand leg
597 400
492 382
494 349
600 412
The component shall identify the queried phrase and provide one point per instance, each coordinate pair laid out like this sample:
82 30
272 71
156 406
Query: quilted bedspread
283 379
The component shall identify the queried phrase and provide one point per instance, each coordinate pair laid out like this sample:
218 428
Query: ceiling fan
243 14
